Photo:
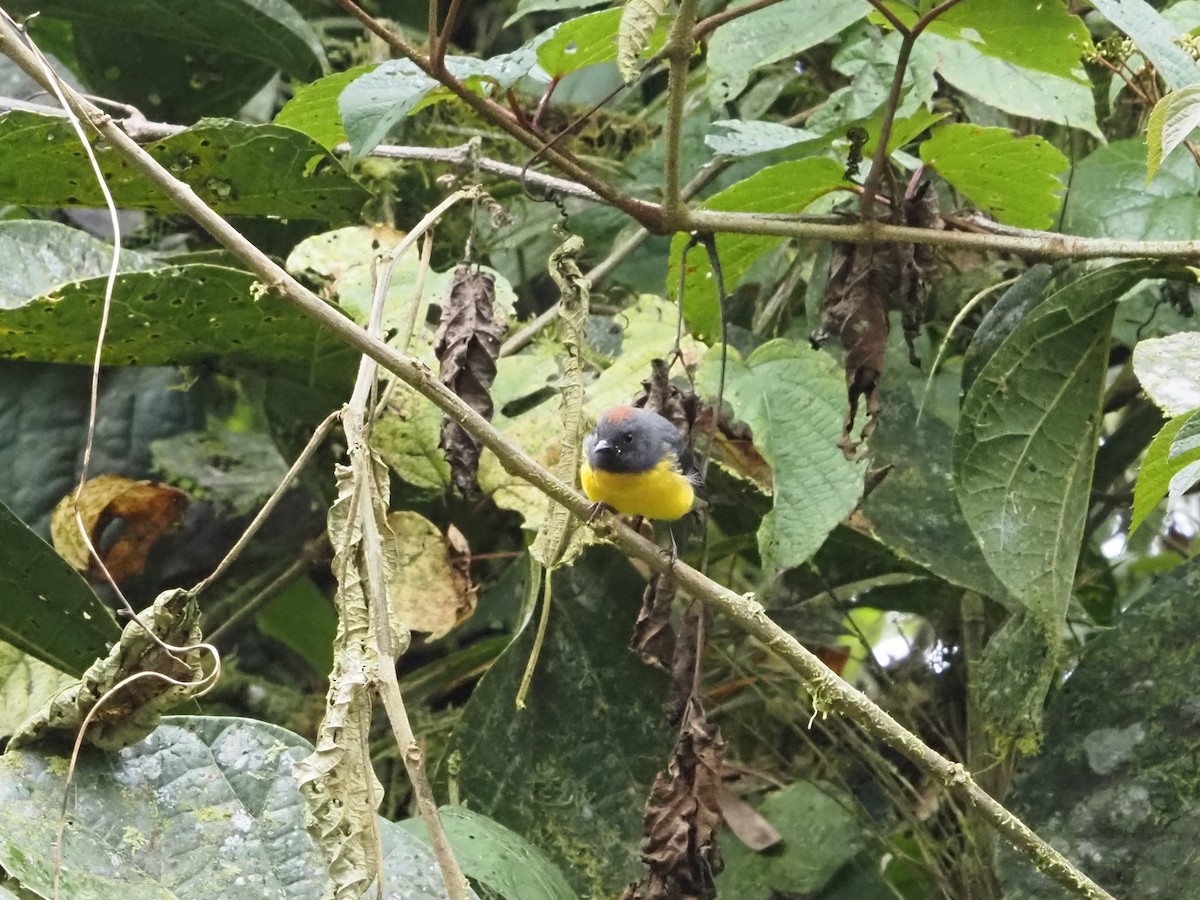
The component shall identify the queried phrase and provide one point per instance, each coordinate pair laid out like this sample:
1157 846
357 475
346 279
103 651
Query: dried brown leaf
467 344
652 635
683 815
427 591
146 511
747 823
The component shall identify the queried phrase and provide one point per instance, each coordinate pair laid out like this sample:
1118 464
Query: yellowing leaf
427 591
638 20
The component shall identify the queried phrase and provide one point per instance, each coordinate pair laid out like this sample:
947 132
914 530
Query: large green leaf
1031 34
174 316
1014 179
1109 196
238 169
572 784
1117 785
177 60
770 35
203 807
793 398
1173 118
784 188
1009 87
821 832
313 108
48 610
1027 435
1155 37
496 857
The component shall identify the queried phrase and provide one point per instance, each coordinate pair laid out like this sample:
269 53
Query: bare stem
678 53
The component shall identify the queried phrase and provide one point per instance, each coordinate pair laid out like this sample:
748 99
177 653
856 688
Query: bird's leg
674 551
596 510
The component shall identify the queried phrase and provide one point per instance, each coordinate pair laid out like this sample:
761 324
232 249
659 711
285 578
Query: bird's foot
596 510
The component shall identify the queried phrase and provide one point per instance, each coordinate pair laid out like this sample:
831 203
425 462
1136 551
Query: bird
636 462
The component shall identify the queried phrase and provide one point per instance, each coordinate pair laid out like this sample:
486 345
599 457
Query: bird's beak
601 446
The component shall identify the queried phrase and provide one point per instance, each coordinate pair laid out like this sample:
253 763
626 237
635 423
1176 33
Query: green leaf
525 7
768 36
203 807
1109 196
788 187
301 618
914 510
995 327
1169 370
1010 684
738 137
587 41
48 610
26 684
1008 87
176 60
176 315
1012 178
1158 469
36 256
1115 731
372 104
1171 121
236 470
1027 436
1155 37
237 169
578 791
639 19
793 398
313 108
496 857
1032 34
820 831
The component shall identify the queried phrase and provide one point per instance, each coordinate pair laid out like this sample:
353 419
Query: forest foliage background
943 381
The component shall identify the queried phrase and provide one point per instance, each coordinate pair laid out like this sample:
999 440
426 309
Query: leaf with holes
1015 179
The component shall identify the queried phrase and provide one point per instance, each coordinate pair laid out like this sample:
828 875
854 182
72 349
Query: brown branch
443 38
880 161
678 53
645 213
708 25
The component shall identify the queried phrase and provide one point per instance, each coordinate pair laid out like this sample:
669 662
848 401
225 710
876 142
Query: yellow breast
661 493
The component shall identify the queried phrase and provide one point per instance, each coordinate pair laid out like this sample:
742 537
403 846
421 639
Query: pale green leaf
788 187
737 137
1169 370
1032 34
525 7
1009 87
1155 37
1158 469
1184 480
587 41
1014 179
639 18
313 108
793 398
1187 440
1171 121
1109 196
26 683
769 35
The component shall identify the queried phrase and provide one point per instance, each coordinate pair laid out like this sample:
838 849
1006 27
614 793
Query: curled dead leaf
145 512
467 345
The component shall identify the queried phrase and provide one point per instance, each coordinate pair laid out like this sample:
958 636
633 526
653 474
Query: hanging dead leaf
467 344
143 510
865 280
747 823
683 815
652 637
427 590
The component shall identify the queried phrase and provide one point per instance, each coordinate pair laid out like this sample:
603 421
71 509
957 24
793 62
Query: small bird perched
636 462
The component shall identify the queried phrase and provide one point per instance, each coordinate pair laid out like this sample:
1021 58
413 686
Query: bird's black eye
627 437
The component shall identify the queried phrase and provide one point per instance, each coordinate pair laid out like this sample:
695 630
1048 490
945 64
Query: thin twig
438 57
908 39
829 692
708 25
678 53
